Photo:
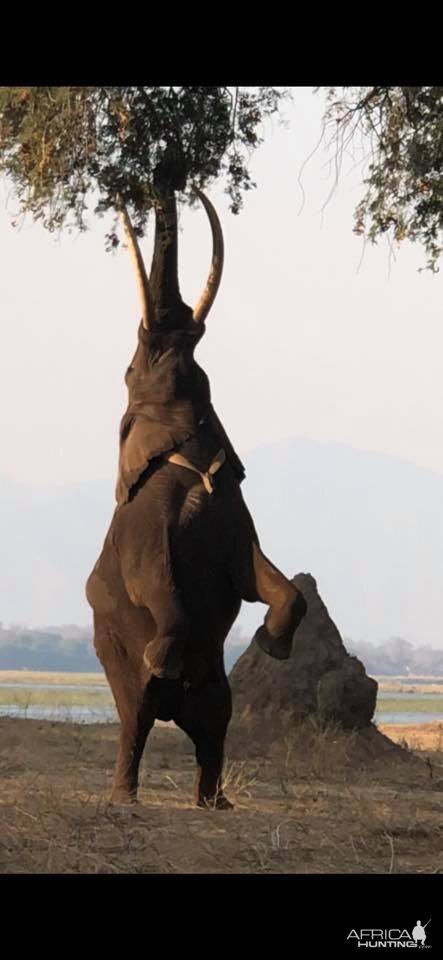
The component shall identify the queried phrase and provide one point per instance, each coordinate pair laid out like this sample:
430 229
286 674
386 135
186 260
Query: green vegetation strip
406 705
26 697
55 698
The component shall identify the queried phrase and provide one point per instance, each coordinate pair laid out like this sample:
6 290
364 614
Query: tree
61 145
401 139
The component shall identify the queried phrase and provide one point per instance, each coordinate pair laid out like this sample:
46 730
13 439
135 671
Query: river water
102 713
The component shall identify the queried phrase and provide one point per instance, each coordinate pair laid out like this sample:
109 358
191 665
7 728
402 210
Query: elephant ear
141 439
225 442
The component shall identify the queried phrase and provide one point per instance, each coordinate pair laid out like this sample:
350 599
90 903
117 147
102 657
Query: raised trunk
164 270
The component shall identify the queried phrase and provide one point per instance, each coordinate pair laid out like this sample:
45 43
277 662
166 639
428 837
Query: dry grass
408 684
317 810
424 737
408 687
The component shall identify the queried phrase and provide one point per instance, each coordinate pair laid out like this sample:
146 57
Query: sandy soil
324 811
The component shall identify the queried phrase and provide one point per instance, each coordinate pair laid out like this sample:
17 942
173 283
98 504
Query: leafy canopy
58 145
400 131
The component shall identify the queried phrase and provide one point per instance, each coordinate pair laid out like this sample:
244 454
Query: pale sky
300 341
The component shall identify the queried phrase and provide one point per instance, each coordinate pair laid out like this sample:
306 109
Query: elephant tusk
140 270
215 274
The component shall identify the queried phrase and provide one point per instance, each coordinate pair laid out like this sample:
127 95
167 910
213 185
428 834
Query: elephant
181 552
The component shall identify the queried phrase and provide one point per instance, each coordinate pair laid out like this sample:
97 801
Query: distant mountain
50 539
66 649
48 649
369 528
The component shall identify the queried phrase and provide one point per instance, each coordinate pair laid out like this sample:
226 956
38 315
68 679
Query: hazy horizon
367 526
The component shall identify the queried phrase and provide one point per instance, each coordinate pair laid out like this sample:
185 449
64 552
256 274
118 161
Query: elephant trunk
163 279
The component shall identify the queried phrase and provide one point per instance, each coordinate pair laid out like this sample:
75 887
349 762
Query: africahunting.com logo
392 938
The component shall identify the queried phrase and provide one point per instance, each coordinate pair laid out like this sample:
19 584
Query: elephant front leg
149 581
258 580
287 606
164 654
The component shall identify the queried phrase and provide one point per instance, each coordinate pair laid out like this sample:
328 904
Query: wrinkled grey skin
177 561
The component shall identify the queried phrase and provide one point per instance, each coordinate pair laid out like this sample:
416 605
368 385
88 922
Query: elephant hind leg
259 580
204 716
137 720
136 709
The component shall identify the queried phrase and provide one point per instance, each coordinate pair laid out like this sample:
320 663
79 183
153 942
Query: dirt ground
322 809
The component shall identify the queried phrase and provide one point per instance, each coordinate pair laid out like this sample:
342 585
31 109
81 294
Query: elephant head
168 391
162 306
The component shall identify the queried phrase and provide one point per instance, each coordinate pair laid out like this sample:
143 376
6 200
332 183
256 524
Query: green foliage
402 130
62 147
58 145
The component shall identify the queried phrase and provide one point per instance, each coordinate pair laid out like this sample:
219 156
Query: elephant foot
122 796
280 647
164 667
216 803
277 647
162 673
